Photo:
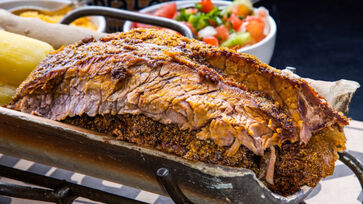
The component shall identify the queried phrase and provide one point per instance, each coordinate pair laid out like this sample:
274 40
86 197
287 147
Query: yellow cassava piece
6 92
19 55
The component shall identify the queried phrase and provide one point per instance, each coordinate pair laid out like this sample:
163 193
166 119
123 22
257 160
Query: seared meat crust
208 104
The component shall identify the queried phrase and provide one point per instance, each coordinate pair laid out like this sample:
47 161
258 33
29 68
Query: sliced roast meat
222 106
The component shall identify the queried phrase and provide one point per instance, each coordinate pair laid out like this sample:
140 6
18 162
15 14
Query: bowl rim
180 4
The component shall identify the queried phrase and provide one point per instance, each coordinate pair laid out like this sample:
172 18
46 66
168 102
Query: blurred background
322 39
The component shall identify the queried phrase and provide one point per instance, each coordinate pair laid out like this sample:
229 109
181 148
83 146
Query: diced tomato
211 22
253 18
222 32
191 11
255 28
207 6
236 22
211 40
191 28
225 18
262 12
240 10
166 11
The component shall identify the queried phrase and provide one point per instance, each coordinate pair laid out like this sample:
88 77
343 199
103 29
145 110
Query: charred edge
209 74
120 74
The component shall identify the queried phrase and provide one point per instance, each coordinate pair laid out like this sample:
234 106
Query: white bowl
12 5
263 50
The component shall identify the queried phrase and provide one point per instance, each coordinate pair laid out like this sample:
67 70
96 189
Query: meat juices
196 101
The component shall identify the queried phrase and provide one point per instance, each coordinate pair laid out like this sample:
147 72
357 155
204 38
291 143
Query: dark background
323 39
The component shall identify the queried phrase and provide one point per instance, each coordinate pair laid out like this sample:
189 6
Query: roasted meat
181 96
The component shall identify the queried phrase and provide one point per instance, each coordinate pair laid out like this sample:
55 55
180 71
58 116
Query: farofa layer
295 165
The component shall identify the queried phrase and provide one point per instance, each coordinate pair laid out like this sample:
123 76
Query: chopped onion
232 35
261 12
243 27
207 32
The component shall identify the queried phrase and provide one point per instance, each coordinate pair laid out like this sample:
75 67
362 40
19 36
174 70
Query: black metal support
353 164
166 181
127 15
62 192
26 192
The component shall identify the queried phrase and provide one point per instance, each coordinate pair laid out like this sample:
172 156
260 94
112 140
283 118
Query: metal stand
353 164
56 190
63 192
166 181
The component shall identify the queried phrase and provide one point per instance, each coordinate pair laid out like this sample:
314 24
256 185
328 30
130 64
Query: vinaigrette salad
235 26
